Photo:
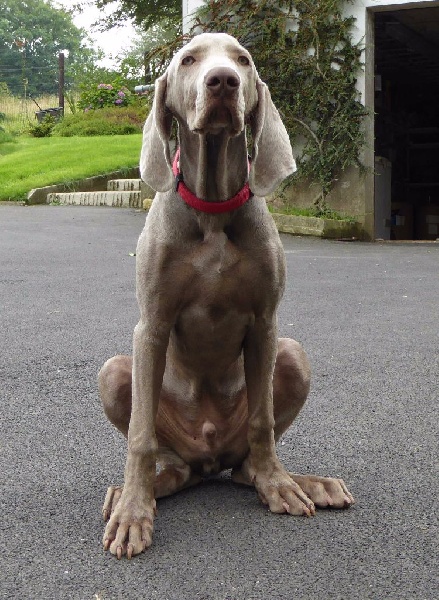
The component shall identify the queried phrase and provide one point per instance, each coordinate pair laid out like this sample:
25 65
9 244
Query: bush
43 129
105 95
106 121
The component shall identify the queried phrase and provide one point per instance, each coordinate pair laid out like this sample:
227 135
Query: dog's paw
283 495
325 492
130 527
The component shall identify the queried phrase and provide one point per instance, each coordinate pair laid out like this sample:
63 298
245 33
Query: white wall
189 6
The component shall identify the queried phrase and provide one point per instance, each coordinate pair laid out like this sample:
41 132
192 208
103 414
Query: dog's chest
222 277
215 255
216 301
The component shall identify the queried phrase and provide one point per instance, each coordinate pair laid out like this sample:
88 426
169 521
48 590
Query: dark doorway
407 124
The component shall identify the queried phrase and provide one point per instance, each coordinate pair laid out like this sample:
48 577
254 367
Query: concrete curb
317 227
313 226
128 191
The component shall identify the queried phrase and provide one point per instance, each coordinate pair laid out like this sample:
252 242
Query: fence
20 101
17 114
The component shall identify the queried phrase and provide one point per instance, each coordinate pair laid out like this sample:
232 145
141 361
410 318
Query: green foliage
312 211
5 137
32 34
106 121
136 63
87 75
103 95
144 13
5 92
43 129
303 50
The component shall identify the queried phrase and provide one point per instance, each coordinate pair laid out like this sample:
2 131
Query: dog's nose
222 80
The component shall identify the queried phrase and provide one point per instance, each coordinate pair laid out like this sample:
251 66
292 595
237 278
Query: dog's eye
187 61
243 60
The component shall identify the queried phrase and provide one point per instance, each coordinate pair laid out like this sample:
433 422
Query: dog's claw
325 492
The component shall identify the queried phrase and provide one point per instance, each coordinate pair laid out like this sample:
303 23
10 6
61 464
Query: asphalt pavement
368 316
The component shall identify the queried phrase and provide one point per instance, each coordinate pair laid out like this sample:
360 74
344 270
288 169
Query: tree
32 34
144 13
138 63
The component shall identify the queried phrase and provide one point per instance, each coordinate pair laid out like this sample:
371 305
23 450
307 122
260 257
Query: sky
111 42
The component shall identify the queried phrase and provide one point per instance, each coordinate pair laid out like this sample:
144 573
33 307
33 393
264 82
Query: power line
11 70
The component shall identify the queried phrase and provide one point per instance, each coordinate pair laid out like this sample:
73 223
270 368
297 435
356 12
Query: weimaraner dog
210 386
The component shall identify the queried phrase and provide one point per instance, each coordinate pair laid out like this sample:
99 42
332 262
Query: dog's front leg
129 530
262 467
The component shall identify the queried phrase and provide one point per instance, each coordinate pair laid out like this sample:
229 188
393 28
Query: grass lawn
28 163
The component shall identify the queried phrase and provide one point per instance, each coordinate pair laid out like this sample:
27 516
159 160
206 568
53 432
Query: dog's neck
214 167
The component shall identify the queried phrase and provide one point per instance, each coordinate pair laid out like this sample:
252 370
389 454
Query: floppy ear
155 160
272 158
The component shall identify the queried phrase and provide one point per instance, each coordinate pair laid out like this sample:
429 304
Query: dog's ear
272 157
155 159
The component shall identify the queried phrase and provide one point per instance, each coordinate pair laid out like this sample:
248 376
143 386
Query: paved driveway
368 316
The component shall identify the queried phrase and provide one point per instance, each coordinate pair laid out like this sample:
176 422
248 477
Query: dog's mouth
220 117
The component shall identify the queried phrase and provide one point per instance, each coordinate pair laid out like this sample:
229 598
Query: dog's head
211 86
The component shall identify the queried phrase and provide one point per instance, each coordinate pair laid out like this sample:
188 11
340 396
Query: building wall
354 193
189 6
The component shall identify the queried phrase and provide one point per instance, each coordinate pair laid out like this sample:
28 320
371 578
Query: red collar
203 205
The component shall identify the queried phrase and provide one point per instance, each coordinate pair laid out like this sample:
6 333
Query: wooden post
61 81
146 75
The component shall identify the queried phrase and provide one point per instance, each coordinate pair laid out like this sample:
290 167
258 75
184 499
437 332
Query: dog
209 386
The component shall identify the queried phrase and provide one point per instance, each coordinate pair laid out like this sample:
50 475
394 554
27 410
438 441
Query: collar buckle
178 179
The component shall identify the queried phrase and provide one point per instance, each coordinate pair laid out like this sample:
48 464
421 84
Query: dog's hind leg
173 475
115 389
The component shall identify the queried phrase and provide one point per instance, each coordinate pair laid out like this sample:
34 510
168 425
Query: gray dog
210 386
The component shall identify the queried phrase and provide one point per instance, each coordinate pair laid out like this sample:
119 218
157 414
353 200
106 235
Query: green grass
27 163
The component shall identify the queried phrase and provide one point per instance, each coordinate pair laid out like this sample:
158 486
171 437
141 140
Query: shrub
43 129
105 95
107 121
